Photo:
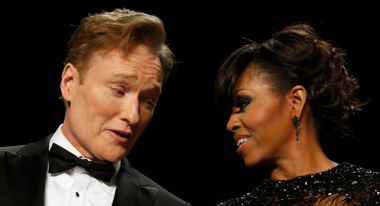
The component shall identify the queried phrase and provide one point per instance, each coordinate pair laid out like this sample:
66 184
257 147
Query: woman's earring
297 123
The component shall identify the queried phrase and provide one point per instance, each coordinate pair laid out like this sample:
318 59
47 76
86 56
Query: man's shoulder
141 179
25 149
136 176
11 149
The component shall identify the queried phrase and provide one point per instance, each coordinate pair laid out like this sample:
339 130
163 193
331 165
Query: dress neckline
328 172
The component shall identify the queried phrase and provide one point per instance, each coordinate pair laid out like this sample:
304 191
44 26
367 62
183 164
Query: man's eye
118 91
151 103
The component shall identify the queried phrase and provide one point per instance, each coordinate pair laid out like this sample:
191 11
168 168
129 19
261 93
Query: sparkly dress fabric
345 184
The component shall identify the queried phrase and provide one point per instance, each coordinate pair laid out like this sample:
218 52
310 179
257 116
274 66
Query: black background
186 148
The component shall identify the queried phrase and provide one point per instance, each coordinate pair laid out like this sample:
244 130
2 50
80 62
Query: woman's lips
240 142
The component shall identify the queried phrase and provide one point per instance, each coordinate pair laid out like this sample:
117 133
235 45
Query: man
114 70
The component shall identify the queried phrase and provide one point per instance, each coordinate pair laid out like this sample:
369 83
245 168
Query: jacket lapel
26 173
132 189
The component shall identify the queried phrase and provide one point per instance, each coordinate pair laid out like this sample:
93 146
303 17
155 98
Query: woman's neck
304 158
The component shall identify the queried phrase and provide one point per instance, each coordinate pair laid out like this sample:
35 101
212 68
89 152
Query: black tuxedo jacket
23 171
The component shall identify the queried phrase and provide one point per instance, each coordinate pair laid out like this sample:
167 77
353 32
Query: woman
287 95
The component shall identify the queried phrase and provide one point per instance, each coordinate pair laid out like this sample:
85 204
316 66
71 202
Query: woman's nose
233 124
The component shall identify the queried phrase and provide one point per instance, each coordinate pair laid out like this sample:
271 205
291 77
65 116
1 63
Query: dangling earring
296 122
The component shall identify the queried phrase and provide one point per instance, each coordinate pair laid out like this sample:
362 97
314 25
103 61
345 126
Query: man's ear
298 97
69 81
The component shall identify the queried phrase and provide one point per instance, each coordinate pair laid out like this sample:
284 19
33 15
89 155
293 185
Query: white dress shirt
75 187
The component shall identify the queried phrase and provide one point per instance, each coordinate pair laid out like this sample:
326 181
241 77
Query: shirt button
77 194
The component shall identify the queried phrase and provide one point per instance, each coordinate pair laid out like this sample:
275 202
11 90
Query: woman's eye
240 103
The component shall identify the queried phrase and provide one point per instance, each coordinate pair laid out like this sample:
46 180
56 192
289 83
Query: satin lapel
26 173
132 190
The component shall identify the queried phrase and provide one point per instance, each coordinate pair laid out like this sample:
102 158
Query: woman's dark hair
297 55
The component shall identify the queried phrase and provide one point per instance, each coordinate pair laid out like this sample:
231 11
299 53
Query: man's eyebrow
154 87
123 77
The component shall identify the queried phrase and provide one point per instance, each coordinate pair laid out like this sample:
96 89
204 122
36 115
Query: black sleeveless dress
345 184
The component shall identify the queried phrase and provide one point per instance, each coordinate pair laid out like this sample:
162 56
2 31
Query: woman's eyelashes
240 103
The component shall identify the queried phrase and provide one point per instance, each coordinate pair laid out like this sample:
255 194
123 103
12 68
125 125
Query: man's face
114 102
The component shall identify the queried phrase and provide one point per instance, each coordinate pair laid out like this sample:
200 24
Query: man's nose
130 110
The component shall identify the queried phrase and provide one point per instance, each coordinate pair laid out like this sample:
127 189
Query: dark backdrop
185 148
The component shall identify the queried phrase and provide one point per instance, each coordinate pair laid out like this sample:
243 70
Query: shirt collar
60 139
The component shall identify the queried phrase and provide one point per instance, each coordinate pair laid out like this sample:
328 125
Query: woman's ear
69 80
298 97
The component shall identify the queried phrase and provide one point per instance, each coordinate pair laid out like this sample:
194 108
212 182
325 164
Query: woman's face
260 120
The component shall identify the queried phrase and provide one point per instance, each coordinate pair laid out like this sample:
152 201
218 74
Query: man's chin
116 157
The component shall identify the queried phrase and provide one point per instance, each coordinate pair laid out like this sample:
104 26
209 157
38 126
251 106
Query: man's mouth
123 134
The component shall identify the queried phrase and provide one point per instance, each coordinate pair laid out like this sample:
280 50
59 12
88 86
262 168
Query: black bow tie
61 160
